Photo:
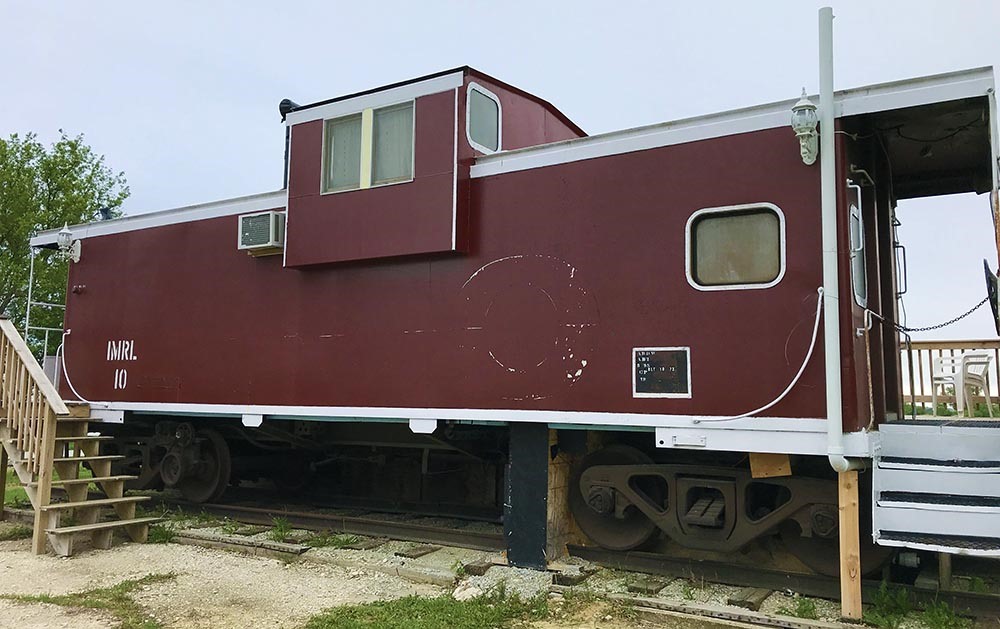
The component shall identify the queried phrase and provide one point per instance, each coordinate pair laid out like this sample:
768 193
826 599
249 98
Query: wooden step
101 502
70 439
81 481
84 438
81 459
100 526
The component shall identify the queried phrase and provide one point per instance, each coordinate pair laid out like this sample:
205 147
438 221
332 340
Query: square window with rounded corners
735 247
482 120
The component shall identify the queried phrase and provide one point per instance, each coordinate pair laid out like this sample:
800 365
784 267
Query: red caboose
457 273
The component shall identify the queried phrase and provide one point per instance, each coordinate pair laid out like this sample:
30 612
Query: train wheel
601 525
822 553
208 481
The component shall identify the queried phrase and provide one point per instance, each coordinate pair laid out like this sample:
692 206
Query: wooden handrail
31 407
45 386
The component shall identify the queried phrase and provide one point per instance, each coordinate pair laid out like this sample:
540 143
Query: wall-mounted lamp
69 249
804 123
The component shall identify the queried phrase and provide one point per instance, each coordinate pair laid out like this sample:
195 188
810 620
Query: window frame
367 156
324 156
725 209
468 118
855 252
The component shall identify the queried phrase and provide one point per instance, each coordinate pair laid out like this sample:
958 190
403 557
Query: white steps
937 486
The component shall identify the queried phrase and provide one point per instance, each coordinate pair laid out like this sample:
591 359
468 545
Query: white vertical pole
31 281
831 279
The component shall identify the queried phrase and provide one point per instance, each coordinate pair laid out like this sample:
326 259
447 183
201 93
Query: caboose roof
969 85
394 92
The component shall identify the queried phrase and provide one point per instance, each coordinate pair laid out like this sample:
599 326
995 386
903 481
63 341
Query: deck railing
29 406
924 353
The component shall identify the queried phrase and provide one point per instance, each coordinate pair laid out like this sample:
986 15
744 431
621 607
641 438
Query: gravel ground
213 589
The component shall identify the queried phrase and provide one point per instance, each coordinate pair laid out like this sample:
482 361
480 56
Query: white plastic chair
965 372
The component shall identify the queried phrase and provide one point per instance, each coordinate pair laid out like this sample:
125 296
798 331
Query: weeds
331 540
160 534
939 615
17 531
281 530
116 600
494 609
889 607
229 527
459 569
804 608
978 585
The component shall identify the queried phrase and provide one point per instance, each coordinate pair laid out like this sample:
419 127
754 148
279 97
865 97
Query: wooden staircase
46 441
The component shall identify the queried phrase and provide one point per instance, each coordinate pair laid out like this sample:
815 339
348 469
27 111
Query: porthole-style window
736 247
482 119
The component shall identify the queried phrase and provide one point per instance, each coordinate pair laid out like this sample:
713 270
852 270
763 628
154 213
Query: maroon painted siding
392 220
526 121
568 268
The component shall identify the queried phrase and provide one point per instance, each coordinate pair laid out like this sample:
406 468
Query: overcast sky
183 95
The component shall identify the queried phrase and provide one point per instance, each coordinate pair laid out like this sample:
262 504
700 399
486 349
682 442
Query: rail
924 354
29 408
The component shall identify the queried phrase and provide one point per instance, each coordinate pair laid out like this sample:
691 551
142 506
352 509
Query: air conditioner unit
262 232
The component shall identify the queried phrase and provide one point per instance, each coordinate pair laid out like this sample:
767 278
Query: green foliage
116 600
331 540
804 608
230 527
889 607
42 188
939 615
495 609
160 534
280 531
978 585
16 531
687 591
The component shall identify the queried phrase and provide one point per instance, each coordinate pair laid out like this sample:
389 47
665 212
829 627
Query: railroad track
971 603
369 524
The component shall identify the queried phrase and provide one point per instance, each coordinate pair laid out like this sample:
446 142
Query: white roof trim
202 211
378 99
882 97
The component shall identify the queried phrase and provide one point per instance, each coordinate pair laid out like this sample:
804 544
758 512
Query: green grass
160 534
889 607
496 609
938 615
116 600
14 494
17 531
280 531
804 608
329 539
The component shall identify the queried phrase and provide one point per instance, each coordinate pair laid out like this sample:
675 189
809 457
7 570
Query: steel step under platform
937 487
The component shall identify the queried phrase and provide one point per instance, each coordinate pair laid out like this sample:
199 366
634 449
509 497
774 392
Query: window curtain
343 162
393 144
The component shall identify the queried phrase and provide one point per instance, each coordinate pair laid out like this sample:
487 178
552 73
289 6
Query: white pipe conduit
831 279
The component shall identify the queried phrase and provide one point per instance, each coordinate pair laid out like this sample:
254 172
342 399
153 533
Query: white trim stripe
228 207
382 98
752 434
883 97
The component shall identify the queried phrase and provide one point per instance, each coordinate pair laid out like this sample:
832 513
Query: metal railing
925 352
29 407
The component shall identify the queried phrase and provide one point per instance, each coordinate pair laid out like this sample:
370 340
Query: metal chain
946 323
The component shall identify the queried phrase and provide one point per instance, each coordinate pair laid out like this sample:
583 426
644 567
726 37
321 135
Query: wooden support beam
850 546
3 479
944 571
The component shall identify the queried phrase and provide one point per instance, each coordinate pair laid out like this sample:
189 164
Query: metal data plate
661 372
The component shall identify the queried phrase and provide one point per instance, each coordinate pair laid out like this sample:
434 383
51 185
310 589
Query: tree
43 188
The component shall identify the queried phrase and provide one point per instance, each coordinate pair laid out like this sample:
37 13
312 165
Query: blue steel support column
526 495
